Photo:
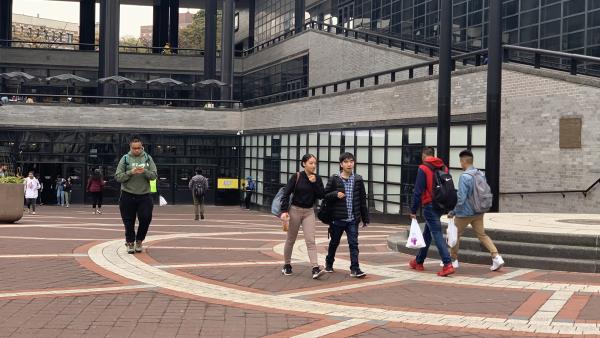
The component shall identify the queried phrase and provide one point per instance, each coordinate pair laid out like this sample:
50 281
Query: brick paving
229 284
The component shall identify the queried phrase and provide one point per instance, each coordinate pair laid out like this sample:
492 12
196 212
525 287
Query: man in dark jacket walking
347 201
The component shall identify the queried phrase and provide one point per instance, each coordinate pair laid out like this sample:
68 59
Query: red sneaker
415 266
447 270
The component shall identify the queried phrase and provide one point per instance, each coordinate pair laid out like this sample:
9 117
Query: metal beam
227 45
174 24
300 9
87 24
444 82
5 22
109 44
210 40
493 103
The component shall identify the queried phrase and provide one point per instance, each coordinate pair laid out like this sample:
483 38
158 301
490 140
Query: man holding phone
135 171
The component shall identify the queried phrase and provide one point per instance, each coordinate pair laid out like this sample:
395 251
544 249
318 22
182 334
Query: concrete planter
11 202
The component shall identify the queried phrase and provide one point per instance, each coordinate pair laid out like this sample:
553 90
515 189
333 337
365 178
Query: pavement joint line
218 264
75 291
112 256
332 328
343 288
205 248
46 255
55 238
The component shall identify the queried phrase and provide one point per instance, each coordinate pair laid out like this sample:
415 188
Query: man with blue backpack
474 198
135 171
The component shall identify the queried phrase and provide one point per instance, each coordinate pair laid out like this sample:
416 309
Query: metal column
5 22
174 24
109 44
227 42
210 40
160 24
251 23
444 82
87 24
493 103
300 9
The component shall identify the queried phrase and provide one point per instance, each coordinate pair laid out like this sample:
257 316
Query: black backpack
444 192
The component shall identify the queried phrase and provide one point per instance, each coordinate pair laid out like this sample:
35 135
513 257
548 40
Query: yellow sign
227 183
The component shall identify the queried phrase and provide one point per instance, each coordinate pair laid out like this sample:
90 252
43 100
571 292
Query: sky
132 17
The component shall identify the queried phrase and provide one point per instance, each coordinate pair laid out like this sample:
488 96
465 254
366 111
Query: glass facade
77 154
273 18
566 25
387 158
288 76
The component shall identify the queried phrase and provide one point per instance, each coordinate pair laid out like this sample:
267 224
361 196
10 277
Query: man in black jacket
345 193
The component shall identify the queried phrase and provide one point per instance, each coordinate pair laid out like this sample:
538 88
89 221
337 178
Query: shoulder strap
295 184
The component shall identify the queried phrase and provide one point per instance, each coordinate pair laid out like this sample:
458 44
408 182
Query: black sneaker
329 269
287 270
317 272
196 218
130 248
201 216
357 273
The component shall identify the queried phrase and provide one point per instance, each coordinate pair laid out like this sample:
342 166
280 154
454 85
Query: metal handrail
562 192
575 59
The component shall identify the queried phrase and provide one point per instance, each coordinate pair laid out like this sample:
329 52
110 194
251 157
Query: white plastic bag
162 201
415 237
452 233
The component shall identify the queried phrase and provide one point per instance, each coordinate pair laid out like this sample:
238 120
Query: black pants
248 198
132 205
97 199
30 204
336 229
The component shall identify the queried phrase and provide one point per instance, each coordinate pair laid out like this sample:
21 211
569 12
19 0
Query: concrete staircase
545 251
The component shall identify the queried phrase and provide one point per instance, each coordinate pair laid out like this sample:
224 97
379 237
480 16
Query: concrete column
5 22
227 42
493 103
210 40
109 44
87 24
444 82
174 24
300 9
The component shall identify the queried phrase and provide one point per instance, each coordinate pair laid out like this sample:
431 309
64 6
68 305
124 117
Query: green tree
127 43
193 35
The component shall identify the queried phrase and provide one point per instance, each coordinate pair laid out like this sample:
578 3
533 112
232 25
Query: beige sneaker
130 248
138 246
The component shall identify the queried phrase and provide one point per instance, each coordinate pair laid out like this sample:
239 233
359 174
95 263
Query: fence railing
562 192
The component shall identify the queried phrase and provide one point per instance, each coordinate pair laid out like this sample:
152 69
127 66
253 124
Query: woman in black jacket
347 201
306 187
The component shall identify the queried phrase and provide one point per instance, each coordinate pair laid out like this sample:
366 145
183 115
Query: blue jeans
336 229
60 197
433 229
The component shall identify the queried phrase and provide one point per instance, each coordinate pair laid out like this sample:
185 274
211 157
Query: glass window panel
362 155
362 137
284 153
323 154
268 151
378 155
254 151
247 141
283 178
393 174
269 138
551 12
336 138
458 135
593 19
293 139
479 158
254 163
323 168
529 18
394 155
302 140
573 6
478 135
378 173
431 136
334 154
455 176
283 166
312 150
323 139
395 137
254 140
454 159
379 204
248 151
378 137
415 135
349 138
248 163
312 139
292 166
393 194
528 34
261 152
261 164
574 23
550 28
284 140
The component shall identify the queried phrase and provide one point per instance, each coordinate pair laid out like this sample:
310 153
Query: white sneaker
454 264
33 213
497 263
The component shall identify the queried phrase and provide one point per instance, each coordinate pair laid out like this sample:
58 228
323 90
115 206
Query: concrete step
518 251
